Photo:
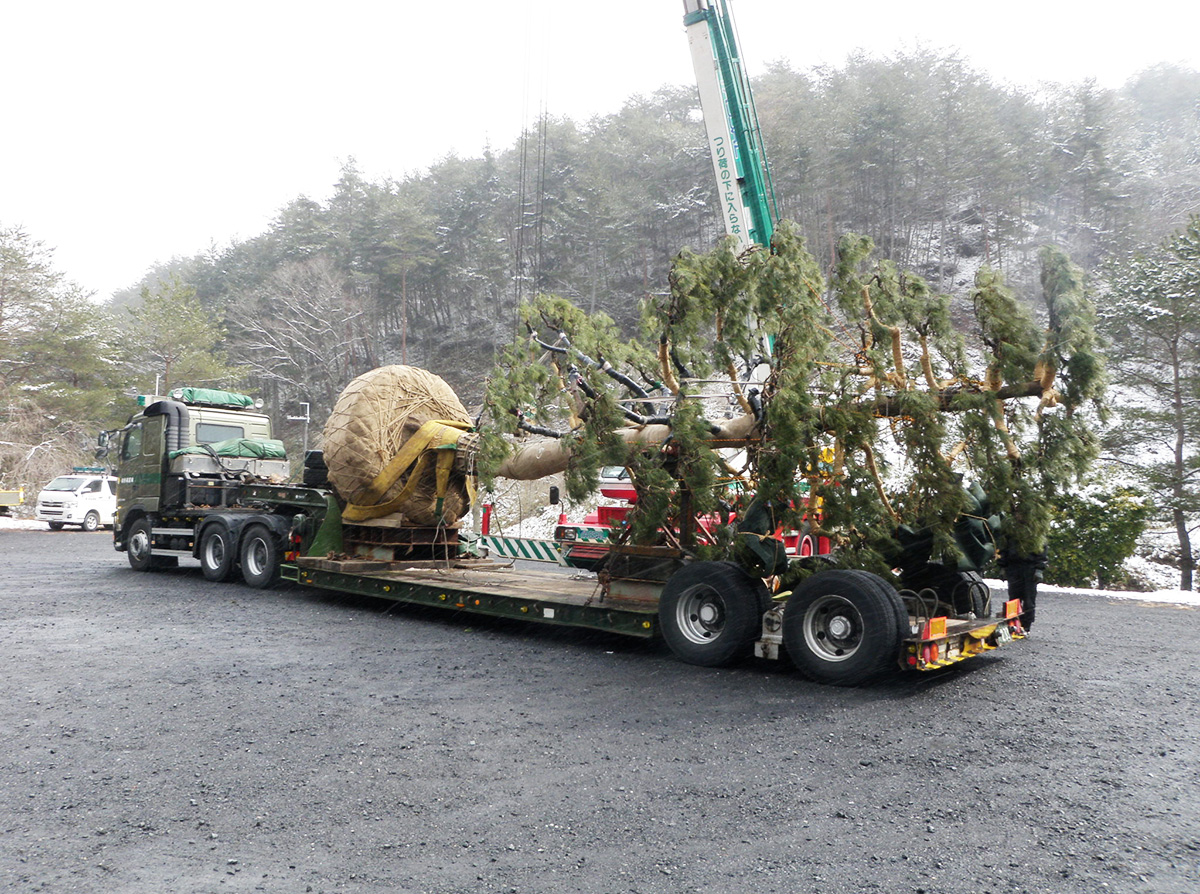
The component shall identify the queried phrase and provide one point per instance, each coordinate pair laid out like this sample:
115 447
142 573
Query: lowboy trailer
200 477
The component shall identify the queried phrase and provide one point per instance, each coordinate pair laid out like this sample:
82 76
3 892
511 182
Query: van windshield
63 483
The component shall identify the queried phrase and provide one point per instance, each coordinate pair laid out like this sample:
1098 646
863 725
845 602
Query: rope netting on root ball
391 445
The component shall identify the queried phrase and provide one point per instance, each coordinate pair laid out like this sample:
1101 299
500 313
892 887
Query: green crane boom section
744 188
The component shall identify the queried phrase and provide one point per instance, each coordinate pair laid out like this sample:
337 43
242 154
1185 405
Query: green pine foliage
868 417
60 366
174 340
1151 314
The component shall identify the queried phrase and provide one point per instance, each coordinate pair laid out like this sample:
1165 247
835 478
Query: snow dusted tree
59 366
1152 315
176 340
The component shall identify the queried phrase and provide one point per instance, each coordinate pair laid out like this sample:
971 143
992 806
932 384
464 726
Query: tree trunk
547 456
1187 562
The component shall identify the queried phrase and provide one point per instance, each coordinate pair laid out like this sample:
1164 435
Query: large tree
59 364
1152 314
172 339
756 384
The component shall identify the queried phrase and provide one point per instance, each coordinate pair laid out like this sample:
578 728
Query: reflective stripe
523 548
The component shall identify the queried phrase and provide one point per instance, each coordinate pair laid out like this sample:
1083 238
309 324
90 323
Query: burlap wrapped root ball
373 418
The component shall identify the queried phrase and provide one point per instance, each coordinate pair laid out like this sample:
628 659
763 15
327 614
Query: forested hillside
943 168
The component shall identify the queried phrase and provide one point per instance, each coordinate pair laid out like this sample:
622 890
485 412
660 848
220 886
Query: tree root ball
374 417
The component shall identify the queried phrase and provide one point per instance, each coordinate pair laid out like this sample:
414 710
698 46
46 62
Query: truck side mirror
102 445
554 495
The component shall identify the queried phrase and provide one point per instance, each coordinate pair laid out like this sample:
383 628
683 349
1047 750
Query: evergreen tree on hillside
173 340
1152 315
60 374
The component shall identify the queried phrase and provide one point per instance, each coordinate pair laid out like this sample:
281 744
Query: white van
86 498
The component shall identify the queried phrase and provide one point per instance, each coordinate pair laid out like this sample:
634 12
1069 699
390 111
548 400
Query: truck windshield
62 483
211 432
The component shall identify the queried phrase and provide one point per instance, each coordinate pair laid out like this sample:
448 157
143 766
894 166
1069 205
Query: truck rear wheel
710 613
843 627
218 553
260 557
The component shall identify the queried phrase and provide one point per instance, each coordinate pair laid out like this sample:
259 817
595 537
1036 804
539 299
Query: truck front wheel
218 555
260 557
710 613
138 549
137 545
91 521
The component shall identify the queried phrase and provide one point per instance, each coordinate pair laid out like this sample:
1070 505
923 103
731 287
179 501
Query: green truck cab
199 474
185 449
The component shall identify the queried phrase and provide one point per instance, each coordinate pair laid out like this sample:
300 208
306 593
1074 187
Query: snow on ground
1171 597
21 524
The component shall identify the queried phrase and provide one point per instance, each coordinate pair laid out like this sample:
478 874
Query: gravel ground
167 734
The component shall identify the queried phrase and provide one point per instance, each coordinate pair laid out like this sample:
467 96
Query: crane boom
743 178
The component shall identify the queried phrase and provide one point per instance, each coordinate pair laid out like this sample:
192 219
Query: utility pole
305 420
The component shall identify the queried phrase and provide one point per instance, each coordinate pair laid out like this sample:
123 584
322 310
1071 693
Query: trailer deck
629 607
483 587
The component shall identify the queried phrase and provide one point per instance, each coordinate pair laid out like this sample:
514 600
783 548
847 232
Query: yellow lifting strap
413 457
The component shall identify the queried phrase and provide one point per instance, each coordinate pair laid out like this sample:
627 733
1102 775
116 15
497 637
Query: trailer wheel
260 557
91 521
889 594
218 554
843 627
710 613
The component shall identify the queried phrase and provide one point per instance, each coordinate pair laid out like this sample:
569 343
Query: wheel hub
839 627
833 628
700 614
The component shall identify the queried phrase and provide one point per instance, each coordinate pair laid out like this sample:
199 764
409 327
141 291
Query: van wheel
218 554
260 557
91 521
55 526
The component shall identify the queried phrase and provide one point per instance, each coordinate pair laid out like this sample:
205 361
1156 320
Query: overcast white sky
139 131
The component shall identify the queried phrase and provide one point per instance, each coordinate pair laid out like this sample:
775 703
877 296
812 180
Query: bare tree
307 333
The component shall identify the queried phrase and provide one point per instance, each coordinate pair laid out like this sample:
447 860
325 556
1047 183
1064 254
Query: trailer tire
889 594
260 557
844 627
91 521
218 553
710 613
